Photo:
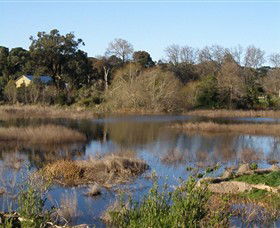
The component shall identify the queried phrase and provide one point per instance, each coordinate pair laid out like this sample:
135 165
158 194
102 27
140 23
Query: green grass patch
271 179
255 194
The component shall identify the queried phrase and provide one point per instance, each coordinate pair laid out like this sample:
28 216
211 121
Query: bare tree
237 53
120 48
205 55
231 84
271 82
275 59
254 57
212 53
188 54
173 53
217 53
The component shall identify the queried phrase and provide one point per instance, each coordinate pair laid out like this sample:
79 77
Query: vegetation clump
184 207
108 171
211 127
45 134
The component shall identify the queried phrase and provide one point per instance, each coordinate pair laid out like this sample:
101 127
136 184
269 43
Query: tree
4 54
271 82
275 59
237 53
188 55
120 48
254 57
10 91
173 53
104 66
18 59
60 57
231 84
143 58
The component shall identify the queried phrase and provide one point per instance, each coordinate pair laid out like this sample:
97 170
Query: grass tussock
235 113
37 111
210 127
46 134
107 171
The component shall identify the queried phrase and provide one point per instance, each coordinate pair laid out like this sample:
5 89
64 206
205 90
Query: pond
167 151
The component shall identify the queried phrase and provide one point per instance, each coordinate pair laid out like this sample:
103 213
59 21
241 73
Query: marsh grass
45 134
271 179
37 111
212 128
235 113
107 171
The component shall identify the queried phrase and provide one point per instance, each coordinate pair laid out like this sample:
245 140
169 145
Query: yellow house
27 79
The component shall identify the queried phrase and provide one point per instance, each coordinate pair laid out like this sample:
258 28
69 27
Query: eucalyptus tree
60 57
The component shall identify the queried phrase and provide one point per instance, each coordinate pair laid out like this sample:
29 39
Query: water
167 151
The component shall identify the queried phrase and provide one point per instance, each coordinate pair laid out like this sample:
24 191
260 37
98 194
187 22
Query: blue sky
149 26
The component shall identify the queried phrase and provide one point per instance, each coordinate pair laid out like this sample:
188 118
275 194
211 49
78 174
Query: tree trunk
106 73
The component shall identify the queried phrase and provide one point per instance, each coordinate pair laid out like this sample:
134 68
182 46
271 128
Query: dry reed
108 171
39 111
45 134
210 127
235 113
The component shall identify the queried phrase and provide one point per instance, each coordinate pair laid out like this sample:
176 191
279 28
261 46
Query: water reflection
166 150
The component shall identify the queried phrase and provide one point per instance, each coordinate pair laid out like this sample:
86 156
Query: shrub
152 89
185 207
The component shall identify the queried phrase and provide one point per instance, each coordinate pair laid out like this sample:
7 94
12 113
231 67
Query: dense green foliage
184 207
211 77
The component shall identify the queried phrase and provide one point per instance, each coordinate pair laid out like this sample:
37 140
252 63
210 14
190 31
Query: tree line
210 77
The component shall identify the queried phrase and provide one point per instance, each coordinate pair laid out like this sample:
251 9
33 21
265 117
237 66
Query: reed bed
210 127
235 113
37 111
45 134
106 171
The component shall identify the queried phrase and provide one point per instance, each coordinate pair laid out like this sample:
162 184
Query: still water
167 151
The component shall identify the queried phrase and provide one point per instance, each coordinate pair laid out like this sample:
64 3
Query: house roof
43 78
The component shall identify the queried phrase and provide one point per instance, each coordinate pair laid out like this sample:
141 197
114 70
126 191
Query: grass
45 134
256 205
210 127
271 179
235 113
107 171
40 111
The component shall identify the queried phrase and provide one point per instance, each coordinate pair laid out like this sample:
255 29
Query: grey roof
43 78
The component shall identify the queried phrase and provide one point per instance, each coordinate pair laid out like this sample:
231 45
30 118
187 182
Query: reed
107 171
38 111
210 127
45 134
235 113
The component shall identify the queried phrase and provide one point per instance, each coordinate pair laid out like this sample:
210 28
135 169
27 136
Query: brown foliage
210 127
107 171
46 134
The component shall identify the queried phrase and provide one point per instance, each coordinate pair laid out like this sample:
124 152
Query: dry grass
46 134
38 111
107 171
210 127
235 113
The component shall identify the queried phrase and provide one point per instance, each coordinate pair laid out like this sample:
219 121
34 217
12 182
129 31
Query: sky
148 25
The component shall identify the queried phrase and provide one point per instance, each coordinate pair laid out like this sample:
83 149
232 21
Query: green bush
184 207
